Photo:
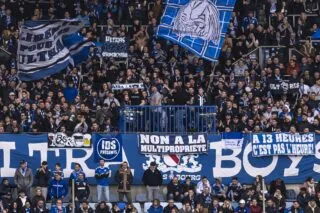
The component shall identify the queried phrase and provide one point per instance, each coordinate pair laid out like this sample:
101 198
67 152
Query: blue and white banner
127 86
116 47
279 143
173 144
218 162
197 25
108 147
41 51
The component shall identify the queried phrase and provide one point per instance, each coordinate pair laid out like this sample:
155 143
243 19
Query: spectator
303 198
218 189
22 200
130 208
191 198
295 208
254 207
188 185
277 184
85 208
58 188
124 178
170 207
204 183
234 192
279 201
57 170
155 207
42 177
58 207
102 207
82 190
312 207
75 173
227 207
6 193
214 206
102 174
186 208
40 207
174 190
70 207
310 185
38 196
27 207
205 198
242 208
23 178
152 179
270 207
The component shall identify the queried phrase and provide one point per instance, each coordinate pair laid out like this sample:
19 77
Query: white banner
127 86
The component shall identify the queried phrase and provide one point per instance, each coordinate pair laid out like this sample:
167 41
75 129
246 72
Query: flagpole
263 197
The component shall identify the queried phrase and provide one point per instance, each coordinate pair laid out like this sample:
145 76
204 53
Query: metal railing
168 119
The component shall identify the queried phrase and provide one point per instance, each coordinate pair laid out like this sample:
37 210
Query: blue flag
42 50
197 25
78 46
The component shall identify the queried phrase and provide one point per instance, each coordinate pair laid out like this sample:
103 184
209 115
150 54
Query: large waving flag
42 50
197 25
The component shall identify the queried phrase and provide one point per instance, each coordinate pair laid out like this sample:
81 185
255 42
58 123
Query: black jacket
82 190
152 178
43 177
20 205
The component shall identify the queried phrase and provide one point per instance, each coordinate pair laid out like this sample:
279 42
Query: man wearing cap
152 179
242 208
23 178
42 177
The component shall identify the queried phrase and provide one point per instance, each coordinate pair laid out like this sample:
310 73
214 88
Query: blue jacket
102 176
242 210
74 175
54 209
152 209
58 189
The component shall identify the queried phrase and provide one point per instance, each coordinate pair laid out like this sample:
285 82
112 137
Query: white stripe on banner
127 86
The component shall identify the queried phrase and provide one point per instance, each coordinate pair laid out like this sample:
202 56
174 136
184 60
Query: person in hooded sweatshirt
155 207
22 200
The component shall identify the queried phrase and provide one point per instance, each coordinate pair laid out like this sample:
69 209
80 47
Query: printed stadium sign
173 144
108 148
61 140
266 144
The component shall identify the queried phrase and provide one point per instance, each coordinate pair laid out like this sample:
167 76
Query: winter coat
124 179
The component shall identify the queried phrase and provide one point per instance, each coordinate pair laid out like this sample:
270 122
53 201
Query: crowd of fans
80 99
36 191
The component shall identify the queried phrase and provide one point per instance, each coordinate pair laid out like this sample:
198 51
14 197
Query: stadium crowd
80 99
51 188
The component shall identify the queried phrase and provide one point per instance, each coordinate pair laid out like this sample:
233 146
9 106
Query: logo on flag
197 25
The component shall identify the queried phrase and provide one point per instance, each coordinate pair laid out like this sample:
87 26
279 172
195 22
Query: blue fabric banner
220 161
42 51
108 147
279 143
197 25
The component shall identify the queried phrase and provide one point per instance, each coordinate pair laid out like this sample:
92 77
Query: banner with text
173 144
108 147
127 86
283 86
266 144
220 161
116 47
61 140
